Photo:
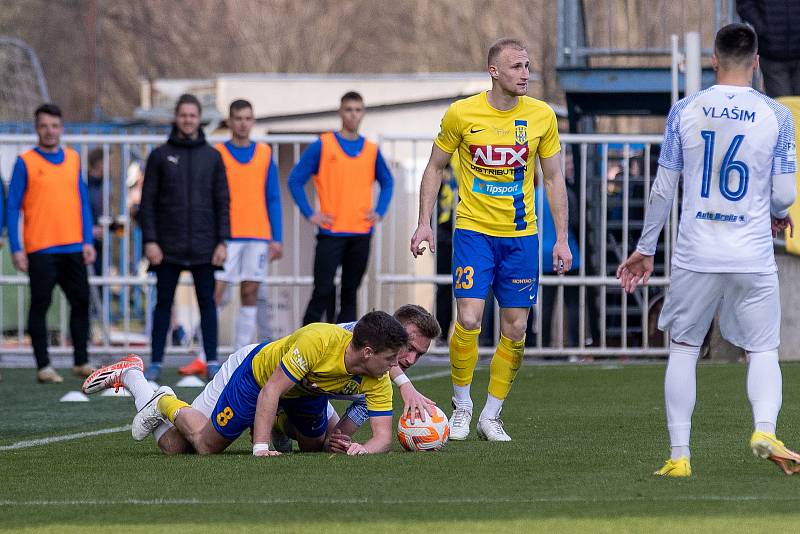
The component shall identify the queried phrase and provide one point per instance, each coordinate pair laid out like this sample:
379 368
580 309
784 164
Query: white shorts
207 399
749 306
246 261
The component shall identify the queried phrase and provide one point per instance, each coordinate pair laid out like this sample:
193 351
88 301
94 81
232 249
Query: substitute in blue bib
496 137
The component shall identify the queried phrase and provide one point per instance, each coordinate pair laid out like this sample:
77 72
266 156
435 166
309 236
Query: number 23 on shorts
464 277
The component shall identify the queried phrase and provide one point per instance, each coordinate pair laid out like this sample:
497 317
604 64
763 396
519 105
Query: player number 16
729 164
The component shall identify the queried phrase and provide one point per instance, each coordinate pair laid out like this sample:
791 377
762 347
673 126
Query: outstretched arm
431 181
639 265
415 404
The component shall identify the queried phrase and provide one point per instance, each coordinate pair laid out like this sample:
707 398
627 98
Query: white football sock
492 408
135 382
461 396
262 315
680 392
245 326
764 389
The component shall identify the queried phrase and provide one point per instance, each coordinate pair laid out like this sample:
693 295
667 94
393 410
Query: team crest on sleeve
521 132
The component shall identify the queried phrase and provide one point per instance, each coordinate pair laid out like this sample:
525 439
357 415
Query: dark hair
47 109
236 105
426 323
186 98
380 331
95 156
351 95
500 45
735 44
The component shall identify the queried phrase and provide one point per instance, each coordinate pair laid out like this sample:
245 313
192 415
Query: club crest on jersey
350 388
521 132
521 135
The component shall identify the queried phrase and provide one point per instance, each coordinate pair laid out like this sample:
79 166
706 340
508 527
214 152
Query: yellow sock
506 362
169 406
463 354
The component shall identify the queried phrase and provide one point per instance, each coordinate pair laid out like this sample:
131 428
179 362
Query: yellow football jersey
313 358
497 160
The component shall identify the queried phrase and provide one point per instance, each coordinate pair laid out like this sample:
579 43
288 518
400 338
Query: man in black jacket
184 218
777 25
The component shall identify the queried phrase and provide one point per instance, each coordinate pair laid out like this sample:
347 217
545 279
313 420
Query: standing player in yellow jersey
296 373
497 135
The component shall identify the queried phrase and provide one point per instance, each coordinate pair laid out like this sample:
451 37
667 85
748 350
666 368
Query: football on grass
428 435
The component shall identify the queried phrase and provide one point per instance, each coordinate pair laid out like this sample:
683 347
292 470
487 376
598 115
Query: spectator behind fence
57 240
94 178
256 226
184 218
777 24
345 167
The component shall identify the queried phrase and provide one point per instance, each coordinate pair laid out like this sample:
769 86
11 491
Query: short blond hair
500 45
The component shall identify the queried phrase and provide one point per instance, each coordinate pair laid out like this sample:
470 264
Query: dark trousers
168 274
352 253
69 272
781 77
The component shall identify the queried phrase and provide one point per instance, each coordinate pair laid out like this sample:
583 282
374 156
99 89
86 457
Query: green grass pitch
586 440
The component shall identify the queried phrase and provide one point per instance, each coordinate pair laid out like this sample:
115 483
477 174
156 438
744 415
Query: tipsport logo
496 189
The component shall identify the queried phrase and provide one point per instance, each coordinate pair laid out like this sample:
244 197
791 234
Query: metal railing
606 234
610 175
587 30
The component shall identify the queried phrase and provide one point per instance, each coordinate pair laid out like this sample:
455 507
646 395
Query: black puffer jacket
185 201
777 24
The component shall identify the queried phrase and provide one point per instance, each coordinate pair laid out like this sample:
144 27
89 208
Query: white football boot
110 376
492 430
149 417
459 422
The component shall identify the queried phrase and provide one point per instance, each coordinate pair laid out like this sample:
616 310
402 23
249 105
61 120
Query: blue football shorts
235 410
509 265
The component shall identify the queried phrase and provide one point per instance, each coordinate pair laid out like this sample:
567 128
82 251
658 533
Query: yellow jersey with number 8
497 158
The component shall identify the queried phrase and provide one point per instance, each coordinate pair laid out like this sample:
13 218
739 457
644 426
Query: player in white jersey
736 150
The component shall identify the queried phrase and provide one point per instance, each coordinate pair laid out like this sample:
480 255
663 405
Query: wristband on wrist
401 379
260 447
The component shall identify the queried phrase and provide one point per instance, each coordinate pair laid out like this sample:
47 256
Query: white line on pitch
67 437
437 374
434 500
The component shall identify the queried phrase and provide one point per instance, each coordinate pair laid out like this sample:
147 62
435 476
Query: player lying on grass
422 328
738 180
295 373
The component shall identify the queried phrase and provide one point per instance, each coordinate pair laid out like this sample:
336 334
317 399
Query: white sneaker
492 430
459 422
149 417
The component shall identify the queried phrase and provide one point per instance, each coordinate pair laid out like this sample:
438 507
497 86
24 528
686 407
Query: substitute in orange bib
56 244
256 226
345 167
497 137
